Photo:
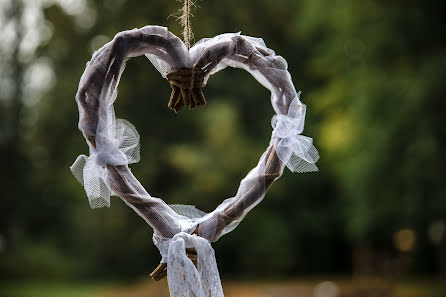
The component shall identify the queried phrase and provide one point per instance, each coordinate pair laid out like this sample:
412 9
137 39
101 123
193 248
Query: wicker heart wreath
183 233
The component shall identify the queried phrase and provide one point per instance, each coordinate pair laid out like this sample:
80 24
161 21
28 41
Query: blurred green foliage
372 74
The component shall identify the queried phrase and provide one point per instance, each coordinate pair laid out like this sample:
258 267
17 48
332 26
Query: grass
50 289
293 288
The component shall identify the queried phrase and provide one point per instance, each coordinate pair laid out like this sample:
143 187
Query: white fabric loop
294 150
184 279
122 148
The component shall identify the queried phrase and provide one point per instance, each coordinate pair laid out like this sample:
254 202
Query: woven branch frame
171 57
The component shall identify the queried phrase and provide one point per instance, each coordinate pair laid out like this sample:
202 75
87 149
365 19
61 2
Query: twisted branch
103 73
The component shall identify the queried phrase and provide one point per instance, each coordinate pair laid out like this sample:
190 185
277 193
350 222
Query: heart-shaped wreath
183 233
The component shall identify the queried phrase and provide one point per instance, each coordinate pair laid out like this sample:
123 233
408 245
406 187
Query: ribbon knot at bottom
184 278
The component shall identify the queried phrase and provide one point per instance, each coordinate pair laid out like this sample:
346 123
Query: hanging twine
186 83
185 22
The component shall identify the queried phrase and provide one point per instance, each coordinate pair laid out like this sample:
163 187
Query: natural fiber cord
186 88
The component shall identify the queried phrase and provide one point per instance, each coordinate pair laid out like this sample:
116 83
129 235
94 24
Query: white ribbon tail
183 277
92 177
298 153
77 169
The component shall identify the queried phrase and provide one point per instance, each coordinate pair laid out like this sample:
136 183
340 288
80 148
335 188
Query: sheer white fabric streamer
120 148
184 278
189 211
296 151
114 144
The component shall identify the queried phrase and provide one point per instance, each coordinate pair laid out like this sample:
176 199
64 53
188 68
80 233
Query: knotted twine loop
186 88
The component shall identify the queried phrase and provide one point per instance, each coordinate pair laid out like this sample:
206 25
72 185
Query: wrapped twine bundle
187 84
183 235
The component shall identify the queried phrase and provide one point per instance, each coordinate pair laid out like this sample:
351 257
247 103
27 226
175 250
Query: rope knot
186 86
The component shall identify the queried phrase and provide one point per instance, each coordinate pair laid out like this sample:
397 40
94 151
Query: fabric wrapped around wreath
185 277
122 148
114 144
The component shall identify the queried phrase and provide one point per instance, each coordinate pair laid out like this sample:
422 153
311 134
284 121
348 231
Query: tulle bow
121 148
184 278
293 149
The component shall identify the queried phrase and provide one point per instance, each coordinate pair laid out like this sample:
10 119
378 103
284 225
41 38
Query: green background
372 74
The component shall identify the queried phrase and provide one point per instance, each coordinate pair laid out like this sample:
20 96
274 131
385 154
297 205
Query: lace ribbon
184 278
121 148
293 149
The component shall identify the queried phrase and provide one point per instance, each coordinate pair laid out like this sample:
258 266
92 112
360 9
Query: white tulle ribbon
92 177
293 149
120 148
184 278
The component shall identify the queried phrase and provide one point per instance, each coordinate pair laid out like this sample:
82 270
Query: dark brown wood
191 253
160 272
187 84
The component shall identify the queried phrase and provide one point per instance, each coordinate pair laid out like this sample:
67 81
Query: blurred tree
372 74
380 68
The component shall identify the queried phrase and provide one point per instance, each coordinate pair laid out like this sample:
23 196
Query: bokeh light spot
437 231
326 289
404 240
